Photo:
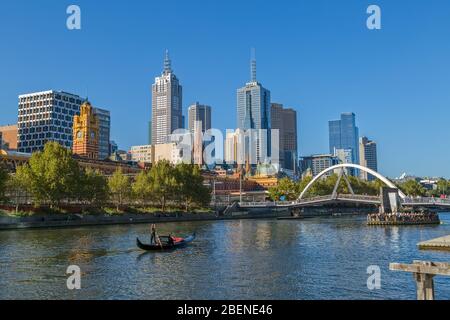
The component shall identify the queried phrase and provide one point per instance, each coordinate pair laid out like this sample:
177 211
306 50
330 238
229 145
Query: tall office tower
253 112
104 118
368 157
344 134
86 132
166 104
149 132
46 116
8 137
199 121
285 120
199 113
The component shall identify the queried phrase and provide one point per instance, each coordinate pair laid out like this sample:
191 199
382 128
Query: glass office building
253 112
344 134
46 116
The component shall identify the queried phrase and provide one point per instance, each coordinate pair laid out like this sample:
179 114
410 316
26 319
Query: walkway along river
318 258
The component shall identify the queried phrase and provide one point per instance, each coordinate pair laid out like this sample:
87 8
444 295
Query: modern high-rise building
368 157
199 121
199 113
344 134
317 163
166 104
8 137
285 120
46 116
253 112
149 132
86 132
104 118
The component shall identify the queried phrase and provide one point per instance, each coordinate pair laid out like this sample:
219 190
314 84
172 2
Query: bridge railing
268 204
358 197
308 200
341 196
425 200
314 199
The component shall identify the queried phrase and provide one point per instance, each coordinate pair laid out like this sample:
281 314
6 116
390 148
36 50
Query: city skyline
354 80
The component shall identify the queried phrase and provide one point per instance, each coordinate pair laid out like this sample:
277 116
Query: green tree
189 186
17 188
119 187
443 187
163 182
142 187
52 175
376 186
301 185
93 187
3 182
413 188
286 188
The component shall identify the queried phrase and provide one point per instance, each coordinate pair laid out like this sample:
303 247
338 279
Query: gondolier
165 242
154 239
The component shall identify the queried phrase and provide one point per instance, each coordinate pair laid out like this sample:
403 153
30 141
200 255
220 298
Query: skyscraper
343 134
253 112
368 157
285 120
149 132
199 113
46 116
104 118
199 121
166 104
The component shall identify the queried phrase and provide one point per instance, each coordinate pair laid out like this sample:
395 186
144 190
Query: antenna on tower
167 63
253 65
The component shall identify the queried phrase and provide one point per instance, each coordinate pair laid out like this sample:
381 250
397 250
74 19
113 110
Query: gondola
165 244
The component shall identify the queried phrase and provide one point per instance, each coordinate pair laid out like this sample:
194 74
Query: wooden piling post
423 272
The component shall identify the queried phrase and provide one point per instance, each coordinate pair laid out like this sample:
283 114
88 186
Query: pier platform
442 243
403 219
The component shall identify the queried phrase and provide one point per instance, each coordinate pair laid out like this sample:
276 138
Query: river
318 258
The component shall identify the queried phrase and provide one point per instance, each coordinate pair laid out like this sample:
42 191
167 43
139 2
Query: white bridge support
350 165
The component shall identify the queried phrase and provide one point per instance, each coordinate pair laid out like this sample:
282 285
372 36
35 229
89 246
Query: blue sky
315 56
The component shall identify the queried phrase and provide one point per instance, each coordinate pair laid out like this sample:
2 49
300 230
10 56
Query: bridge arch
355 166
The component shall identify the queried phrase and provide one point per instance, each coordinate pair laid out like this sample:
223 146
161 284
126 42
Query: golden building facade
86 129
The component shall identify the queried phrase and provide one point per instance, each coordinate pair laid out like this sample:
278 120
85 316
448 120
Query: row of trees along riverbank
53 178
290 190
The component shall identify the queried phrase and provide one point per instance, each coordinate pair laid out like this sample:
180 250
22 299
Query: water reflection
324 258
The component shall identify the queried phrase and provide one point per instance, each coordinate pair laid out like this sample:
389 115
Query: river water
319 258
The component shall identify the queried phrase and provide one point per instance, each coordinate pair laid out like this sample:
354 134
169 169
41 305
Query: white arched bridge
352 198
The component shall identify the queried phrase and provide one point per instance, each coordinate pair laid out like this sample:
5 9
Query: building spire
253 65
167 63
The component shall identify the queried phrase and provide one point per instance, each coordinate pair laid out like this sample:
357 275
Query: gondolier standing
154 238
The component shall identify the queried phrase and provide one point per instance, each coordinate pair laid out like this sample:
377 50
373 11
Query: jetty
403 218
442 243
